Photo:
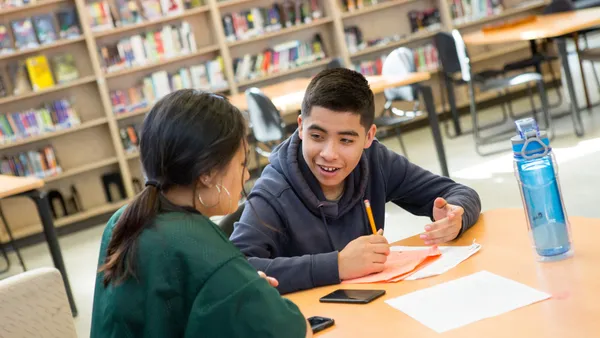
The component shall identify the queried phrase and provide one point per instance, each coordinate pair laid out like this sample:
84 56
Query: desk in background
574 284
558 25
12 186
287 97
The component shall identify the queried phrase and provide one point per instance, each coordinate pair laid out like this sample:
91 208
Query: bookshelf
95 147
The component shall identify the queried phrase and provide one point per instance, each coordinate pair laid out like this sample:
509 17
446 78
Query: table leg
584 82
43 206
435 128
453 109
533 48
564 59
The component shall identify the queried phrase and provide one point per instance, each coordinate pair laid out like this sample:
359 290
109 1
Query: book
18 77
44 27
129 12
100 16
151 9
6 43
68 23
39 72
24 34
65 69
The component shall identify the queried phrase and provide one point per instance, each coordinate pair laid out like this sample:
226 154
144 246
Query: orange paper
398 266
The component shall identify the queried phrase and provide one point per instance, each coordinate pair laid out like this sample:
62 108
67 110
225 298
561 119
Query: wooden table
288 95
12 186
558 25
574 283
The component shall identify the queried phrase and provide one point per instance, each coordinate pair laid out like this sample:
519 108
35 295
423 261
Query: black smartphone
320 323
352 296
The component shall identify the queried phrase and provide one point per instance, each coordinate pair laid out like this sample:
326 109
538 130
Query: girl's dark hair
188 133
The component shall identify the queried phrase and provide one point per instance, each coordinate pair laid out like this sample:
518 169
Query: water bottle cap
536 142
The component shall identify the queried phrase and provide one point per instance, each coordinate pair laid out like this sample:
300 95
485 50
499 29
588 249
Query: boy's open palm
447 225
363 256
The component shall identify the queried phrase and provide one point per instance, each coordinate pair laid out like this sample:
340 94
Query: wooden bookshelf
375 8
82 169
56 88
88 150
41 48
50 135
379 48
150 23
228 3
27 8
199 52
504 14
283 31
299 69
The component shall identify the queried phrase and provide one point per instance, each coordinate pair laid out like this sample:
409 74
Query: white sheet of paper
466 300
451 257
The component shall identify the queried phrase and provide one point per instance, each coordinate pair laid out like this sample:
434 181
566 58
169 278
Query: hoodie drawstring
320 207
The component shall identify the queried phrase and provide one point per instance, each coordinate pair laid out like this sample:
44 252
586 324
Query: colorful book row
281 57
52 117
39 30
259 20
150 47
129 138
208 76
40 163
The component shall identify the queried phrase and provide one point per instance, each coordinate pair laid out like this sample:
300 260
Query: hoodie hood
288 160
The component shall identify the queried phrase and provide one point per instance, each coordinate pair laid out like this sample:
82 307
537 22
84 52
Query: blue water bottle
537 174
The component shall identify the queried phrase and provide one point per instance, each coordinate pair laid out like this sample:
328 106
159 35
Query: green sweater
190 282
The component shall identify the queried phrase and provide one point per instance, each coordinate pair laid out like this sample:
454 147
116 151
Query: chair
266 124
35 304
455 59
398 63
226 223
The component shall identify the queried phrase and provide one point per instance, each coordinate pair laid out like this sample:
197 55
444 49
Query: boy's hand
447 225
363 256
272 281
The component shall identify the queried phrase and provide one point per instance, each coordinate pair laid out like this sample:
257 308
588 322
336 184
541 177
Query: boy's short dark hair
341 90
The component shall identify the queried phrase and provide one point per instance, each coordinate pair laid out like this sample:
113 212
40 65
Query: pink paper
398 266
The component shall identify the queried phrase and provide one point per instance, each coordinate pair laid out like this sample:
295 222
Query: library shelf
411 38
374 8
33 229
82 169
41 48
312 65
46 136
25 8
56 88
228 3
132 155
156 64
283 31
149 23
505 13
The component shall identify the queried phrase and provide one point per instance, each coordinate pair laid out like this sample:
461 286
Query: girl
166 270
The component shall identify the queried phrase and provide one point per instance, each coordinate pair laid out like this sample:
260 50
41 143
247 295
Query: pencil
370 216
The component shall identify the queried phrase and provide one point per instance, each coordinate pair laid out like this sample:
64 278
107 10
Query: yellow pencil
370 216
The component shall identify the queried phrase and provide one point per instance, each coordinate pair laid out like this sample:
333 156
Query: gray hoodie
291 232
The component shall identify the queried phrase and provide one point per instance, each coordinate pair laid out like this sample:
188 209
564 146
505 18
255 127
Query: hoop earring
228 196
214 205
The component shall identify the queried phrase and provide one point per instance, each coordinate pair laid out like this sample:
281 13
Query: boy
307 224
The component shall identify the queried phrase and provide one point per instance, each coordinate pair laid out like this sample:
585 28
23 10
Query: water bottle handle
534 139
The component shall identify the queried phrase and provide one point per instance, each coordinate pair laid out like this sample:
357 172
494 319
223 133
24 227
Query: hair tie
153 183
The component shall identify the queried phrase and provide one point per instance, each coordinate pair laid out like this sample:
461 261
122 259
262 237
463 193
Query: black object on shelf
110 179
53 196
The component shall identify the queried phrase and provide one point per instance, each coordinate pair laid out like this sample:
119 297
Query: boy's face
332 144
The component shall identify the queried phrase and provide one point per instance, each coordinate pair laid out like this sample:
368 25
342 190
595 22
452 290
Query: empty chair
399 62
454 57
266 124
35 304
